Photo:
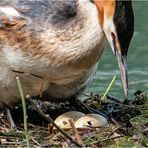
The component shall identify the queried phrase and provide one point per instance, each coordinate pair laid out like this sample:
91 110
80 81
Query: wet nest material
128 124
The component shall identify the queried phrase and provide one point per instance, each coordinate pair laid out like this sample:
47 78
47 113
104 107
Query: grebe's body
53 46
63 52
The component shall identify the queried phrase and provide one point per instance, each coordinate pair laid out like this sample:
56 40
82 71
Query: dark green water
137 59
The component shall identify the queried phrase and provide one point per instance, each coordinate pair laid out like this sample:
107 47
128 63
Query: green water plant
24 110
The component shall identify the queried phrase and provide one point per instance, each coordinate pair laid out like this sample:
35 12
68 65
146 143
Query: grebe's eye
113 35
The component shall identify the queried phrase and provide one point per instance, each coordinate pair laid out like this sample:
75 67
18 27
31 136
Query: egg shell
91 120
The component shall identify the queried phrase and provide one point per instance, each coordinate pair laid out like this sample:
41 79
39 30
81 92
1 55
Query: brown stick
77 135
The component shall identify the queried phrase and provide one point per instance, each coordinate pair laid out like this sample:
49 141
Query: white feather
10 11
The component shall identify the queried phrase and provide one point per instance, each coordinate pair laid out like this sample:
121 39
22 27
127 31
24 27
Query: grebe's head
117 21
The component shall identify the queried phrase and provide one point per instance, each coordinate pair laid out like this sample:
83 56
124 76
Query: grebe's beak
121 56
122 63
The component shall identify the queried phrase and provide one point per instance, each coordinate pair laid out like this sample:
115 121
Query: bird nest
128 121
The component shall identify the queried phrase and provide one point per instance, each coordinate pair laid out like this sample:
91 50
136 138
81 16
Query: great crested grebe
57 44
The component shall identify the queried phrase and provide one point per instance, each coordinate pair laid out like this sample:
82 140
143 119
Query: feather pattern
54 43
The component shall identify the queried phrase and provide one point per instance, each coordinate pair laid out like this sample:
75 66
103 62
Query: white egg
63 120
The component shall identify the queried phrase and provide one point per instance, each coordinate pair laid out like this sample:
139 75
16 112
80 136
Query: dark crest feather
124 22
